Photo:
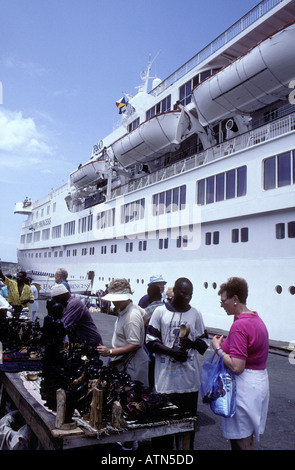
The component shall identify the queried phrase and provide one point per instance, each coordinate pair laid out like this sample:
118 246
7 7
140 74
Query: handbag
121 362
218 387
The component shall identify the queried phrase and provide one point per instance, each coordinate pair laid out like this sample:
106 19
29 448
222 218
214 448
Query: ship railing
239 143
237 28
248 139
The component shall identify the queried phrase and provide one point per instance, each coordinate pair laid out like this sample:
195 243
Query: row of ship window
279 171
278 288
282 230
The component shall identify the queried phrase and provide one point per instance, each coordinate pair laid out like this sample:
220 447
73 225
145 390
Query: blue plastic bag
218 387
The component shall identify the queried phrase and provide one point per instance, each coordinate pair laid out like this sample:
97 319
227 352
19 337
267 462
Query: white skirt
252 406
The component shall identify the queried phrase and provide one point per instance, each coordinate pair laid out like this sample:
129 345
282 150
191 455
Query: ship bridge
24 207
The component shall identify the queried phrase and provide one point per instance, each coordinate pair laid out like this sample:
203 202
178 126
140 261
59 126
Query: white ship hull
207 214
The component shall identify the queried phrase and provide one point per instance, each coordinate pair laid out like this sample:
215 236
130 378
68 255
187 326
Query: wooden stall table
43 422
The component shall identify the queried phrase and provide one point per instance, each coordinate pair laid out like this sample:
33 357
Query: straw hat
119 289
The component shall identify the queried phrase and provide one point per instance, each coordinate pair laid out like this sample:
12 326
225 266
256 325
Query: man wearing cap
127 353
76 316
156 279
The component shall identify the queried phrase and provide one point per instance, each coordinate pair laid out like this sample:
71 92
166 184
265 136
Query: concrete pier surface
280 426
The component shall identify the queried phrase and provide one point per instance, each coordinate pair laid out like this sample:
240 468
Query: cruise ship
197 181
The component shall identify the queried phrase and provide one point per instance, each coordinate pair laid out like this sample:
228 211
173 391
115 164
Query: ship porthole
279 289
214 285
292 290
206 285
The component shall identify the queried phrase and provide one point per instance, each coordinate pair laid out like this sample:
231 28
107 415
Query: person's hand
103 350
186 343
179 355
216 341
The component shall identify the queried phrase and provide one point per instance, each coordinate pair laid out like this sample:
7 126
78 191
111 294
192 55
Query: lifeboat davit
251 81
90 173
154 137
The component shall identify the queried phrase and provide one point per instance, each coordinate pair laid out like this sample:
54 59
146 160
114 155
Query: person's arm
30 299
235 364
158 347
199 344
127 348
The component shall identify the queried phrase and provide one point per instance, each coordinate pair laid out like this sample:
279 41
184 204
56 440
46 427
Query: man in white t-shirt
177 368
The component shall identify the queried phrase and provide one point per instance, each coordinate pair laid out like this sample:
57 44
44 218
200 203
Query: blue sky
64 64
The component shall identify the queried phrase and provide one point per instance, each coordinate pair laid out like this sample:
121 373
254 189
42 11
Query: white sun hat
119 289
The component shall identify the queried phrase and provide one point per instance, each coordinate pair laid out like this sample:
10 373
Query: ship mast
145 76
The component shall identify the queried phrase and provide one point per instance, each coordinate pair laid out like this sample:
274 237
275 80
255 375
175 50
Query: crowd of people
158 342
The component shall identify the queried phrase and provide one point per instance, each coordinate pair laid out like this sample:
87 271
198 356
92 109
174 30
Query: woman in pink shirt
245 353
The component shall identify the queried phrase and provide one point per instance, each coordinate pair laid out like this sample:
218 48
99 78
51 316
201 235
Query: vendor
20 294
76 316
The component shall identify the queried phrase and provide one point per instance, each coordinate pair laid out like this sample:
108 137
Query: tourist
177 368
33 308
4 290
157 279
61 276
154 298
127 353
245 353
169 294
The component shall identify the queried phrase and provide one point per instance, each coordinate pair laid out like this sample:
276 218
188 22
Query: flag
121 104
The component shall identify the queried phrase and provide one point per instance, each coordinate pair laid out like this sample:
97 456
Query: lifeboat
156 136
251 82
90 173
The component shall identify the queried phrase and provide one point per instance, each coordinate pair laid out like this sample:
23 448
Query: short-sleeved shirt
129 326
77 316
13 297
130 329
248 340
151 307
172 376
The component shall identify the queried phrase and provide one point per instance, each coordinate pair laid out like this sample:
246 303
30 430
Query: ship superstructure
197 181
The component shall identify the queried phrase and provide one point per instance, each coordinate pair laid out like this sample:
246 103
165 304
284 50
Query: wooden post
95 419
61 411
